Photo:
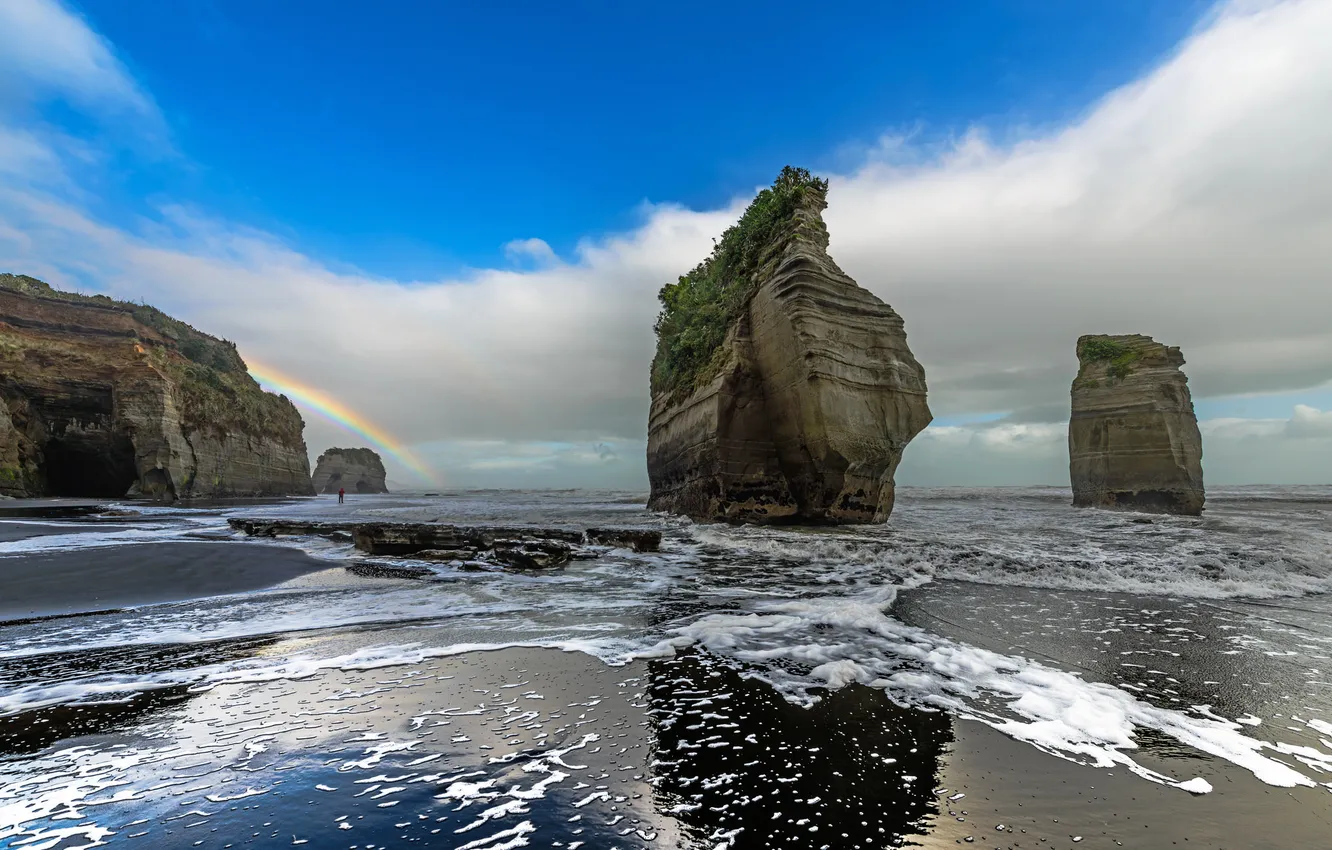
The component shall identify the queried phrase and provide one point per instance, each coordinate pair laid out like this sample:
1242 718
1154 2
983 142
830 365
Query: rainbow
339 414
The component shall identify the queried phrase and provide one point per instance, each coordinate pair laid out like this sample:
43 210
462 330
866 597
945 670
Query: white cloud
535 250
48 49
1309 422
1295 450
987 454
1193 205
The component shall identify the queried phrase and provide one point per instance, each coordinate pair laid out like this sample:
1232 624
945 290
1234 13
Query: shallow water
1154 645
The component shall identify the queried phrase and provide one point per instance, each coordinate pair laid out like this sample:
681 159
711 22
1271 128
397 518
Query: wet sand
14 530
548 748
1043 801
83 580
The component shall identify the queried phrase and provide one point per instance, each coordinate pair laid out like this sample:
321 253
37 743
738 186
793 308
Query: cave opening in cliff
101 469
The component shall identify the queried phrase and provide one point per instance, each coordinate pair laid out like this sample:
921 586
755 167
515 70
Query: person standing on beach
342 494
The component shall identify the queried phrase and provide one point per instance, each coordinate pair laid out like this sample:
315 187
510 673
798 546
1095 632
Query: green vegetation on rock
1118 358
698 310
209 351
230 402
361 456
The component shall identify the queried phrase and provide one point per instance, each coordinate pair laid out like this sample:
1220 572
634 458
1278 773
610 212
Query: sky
454 221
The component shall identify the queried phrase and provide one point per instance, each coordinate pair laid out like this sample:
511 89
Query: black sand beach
641 700
518 743
53 583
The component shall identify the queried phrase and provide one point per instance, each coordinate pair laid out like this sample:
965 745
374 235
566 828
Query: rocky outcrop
1133 439
399 538
354 470
806 405
519 547
106 399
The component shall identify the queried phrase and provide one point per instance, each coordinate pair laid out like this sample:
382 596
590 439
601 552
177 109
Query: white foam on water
839 640
247 615
835 640
121 536
1035 541
63 785
805 609
28 697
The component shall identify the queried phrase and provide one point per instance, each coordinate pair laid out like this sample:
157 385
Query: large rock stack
1133 439
805 405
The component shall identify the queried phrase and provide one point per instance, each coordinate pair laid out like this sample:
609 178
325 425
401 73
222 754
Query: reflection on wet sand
737 763
492 747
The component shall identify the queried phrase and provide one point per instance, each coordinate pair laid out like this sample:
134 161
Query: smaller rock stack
1133 439
353 470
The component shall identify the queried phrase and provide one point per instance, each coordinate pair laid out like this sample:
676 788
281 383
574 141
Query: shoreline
557 746
41 585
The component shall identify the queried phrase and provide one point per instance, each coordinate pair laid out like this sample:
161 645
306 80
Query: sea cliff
105 398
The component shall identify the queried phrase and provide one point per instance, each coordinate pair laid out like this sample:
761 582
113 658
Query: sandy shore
82 580
561 750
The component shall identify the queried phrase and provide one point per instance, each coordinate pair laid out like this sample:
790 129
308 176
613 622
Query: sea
681 698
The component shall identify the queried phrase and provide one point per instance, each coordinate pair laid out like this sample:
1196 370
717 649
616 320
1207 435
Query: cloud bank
1194 205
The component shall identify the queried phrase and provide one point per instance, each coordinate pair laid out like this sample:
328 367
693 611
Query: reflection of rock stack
801 410
353 470
1133 439
854 759
104 398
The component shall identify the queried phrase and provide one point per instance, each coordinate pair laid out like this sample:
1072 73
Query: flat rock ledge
514 547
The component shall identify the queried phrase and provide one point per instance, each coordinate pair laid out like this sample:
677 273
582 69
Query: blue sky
455 218
421 137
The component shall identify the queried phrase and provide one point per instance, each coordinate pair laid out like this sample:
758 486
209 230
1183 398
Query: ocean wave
1233 554
802 646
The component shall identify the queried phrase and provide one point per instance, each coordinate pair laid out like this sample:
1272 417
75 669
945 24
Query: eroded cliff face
353 470
1133 439
105 399
808 403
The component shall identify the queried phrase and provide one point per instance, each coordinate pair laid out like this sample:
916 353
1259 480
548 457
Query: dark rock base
1180 502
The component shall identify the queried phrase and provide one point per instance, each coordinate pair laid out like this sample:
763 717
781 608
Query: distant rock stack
353 470
1133 439
807 401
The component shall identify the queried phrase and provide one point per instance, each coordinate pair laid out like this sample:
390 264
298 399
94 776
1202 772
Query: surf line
339 414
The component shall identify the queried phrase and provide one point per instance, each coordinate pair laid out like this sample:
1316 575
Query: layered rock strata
353 470
1133 438
807 406
106 399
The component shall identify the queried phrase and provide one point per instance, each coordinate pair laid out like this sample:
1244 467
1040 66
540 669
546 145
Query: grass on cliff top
697 310
230 402
1119 358
195 345
363 456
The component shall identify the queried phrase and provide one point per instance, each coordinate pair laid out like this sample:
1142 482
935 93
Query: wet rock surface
532 554
517 547
1133 437
637 539
372 570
